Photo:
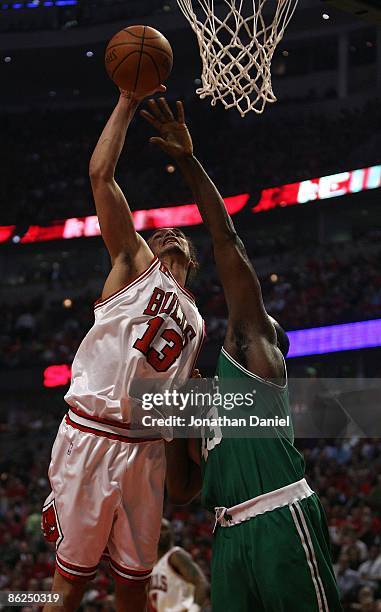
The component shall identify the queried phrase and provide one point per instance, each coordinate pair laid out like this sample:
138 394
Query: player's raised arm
130 254
113 212
247 315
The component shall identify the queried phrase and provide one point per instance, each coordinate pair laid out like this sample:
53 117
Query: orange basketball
138 59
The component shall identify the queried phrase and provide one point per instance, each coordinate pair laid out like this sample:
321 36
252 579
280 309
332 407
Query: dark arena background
304 182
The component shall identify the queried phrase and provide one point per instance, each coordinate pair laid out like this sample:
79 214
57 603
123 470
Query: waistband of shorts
113 432
227 517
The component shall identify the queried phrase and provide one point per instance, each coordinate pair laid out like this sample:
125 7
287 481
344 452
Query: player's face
169 240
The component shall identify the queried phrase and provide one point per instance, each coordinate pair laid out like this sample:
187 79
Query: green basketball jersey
236 469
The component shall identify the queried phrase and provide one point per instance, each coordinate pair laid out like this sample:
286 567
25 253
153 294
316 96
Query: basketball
138 59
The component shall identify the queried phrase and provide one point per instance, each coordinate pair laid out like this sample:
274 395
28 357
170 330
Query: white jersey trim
184 290
262 380
267 502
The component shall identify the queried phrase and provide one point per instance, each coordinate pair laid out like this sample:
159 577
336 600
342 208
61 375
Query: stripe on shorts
93 417
129 574
76 571
305 537
87 425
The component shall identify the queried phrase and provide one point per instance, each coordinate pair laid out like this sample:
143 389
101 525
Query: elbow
202 587
179 500
98 173
228 237
231 236
180 496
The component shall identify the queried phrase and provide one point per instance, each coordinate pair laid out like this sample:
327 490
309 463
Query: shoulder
127 272
177 556
179 559
178 553
253 355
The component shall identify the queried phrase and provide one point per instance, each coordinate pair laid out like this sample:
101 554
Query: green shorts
278 561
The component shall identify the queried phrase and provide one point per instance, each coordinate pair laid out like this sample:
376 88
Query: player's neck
176 268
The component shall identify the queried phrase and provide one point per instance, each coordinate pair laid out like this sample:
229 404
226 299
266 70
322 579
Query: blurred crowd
327 285
73 14
45 165
345 473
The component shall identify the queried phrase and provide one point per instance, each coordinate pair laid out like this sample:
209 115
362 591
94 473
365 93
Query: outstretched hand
196 373
174 138
132 97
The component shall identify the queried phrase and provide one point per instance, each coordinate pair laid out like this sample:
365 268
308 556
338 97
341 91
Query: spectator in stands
370 570
348 580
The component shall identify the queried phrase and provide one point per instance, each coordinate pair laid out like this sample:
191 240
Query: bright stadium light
335 338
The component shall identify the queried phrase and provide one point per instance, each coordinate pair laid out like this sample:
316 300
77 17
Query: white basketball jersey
168 591
150 329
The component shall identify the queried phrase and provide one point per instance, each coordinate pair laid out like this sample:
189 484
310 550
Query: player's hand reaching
196 373
131 96
174 138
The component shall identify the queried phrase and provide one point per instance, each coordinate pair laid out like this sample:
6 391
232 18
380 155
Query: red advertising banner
84 227
312 190
332 186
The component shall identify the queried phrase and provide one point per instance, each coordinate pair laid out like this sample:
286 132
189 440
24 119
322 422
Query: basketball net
236 50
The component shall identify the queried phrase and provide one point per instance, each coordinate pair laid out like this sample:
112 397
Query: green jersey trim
248 373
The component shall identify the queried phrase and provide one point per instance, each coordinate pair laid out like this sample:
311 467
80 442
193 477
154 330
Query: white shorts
106 499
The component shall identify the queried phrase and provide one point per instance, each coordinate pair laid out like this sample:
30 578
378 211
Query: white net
237 43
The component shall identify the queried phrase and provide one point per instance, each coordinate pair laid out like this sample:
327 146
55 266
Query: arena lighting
37 4
335 338
174 216
57 375
332 186
6 232
304 342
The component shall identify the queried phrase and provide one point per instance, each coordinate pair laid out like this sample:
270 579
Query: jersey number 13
162 360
